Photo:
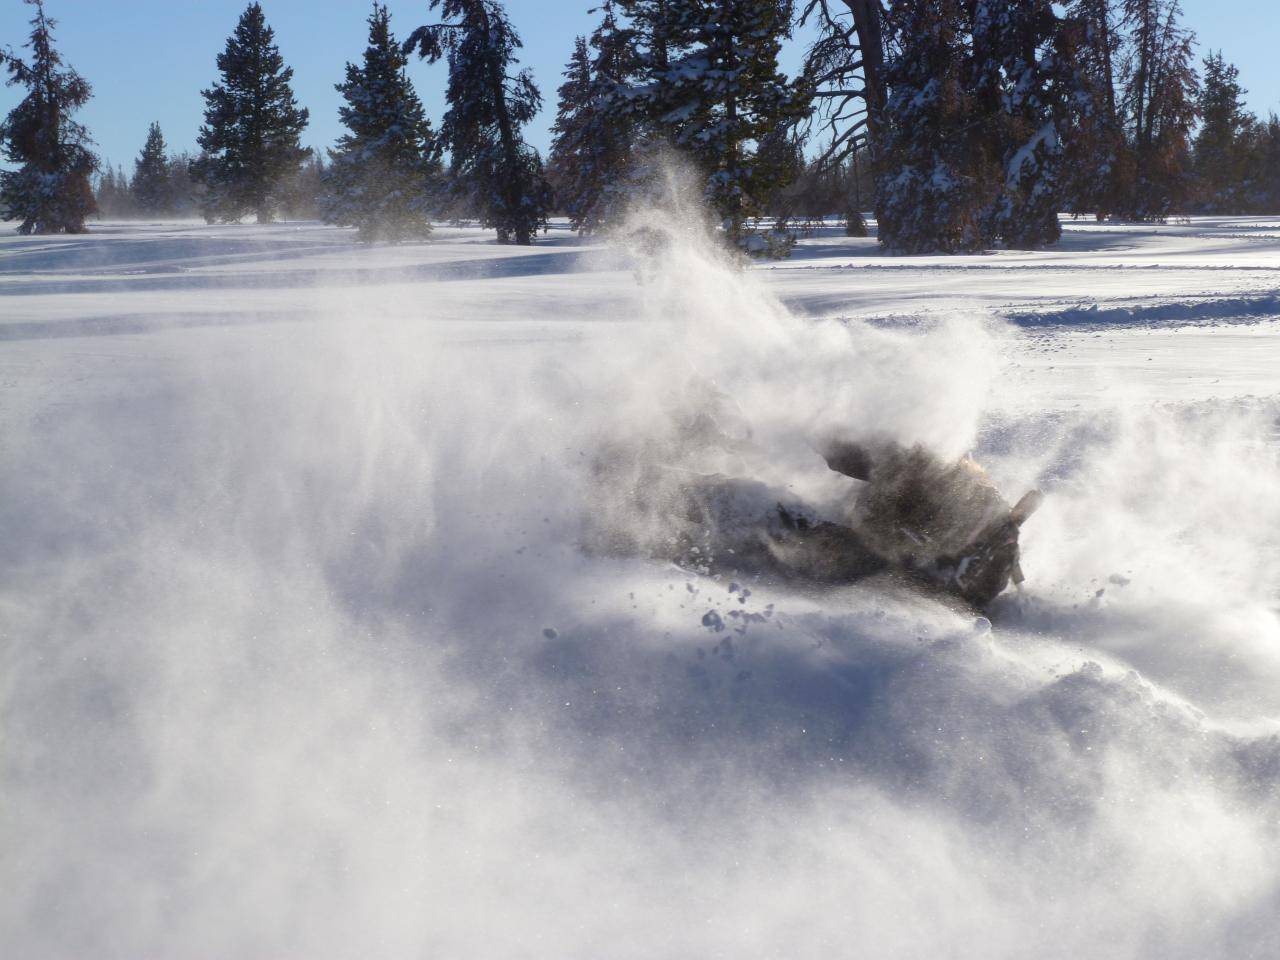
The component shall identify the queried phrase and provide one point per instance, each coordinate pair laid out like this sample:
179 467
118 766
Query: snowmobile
940 525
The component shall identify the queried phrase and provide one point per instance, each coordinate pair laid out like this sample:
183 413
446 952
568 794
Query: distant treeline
964 124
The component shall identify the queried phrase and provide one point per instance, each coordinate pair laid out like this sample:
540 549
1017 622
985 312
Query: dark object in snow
937 523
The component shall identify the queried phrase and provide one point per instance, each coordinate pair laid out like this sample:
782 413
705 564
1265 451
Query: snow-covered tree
928 194
382 174
50 191
151 187
711 85
1027 86
252 126
592 154
498 174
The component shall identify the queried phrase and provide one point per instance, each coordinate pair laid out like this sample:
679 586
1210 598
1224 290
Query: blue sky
149 59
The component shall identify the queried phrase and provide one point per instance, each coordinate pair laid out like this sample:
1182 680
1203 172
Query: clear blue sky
149 59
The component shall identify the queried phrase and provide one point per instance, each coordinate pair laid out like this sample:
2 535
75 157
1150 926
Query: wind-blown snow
301 656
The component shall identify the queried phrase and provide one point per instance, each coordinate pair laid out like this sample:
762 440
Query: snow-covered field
300 656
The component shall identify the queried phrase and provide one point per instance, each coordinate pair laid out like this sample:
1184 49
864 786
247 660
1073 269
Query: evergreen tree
720 94
1026 85
500 175
570 137
1099 163
151 188
1159 91
250 137
50 192
382 174
112 196
186 195
1225 145
591 166
1268 151
303 194
928 194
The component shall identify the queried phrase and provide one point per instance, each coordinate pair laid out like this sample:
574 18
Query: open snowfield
300 655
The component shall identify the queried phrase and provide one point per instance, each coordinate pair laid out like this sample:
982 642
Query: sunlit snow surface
301 656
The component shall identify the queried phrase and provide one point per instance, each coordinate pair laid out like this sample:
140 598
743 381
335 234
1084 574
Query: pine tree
1027 85
928 194
1224 149
571 139
186 194
1160 92
151 188
303 194
50 192
1269 165
490 164
111 194
1099 163
383 172
591 166
250 137
720 95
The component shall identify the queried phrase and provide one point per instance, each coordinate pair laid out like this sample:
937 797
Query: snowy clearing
301 656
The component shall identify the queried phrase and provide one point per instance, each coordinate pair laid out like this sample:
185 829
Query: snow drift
302 657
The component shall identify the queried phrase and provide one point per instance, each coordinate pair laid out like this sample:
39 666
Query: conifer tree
710 83
250 138
929 196
302 194
1160 91
1027 84
1099 164
152 188
112 195
490 164
382 174
50 192
185 193
570 137
1269 165
1224 148
591 165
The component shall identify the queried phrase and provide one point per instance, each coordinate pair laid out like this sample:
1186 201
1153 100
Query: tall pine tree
1099 164
50 192
383 172
1160 93
1028 83
711 84
500 175
571 138
1268 137
929 196
152 188
1224 149
591 165
250 138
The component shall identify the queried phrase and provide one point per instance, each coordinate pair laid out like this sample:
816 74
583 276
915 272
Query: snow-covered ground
300 655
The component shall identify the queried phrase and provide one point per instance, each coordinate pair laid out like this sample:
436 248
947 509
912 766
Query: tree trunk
867 22
513 193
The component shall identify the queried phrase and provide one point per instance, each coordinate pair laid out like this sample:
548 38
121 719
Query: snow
302 657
